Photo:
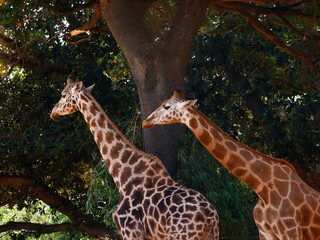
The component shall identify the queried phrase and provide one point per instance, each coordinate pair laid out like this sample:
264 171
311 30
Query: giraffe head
170 111
68 103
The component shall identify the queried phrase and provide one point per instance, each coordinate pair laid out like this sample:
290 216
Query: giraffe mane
282 161
121 134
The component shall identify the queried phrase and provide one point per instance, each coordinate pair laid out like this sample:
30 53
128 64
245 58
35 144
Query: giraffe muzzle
147 125
54 115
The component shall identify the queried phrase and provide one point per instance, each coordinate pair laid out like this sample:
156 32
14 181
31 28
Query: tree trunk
158 64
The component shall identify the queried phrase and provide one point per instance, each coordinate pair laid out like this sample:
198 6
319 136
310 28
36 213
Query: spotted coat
287 207
152 205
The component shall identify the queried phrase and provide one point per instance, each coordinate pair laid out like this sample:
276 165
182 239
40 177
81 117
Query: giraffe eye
166 107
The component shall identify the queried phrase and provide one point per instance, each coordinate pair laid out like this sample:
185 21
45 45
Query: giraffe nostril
54 115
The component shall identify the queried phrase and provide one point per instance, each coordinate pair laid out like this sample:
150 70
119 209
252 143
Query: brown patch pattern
193 123
287 207
205 138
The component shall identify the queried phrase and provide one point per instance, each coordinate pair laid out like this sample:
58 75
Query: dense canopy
253 66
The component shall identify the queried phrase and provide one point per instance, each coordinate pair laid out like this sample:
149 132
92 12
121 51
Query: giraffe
287 208
152 205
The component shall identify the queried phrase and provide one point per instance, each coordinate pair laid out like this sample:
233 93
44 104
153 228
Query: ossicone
177 93
70 79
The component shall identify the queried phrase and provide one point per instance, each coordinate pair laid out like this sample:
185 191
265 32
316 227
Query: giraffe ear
90 88
69 80
77 87
189 103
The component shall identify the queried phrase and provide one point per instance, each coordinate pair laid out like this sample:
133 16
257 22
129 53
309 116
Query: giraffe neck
122 158
253 168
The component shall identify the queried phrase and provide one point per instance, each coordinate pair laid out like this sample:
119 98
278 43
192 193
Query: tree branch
258 1
273 38
86 26
13 61
85 222
40 228
291 27
244 9
284 11
88 39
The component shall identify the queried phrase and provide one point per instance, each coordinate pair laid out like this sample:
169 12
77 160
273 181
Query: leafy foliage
38 212
57 153
103 195
233 200
257 93
253 90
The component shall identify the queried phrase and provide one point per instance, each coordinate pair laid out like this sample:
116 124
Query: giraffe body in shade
287 209
152 205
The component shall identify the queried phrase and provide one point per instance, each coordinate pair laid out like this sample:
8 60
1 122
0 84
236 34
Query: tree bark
158 66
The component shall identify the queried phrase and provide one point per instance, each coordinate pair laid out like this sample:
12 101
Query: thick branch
40 228
25 185
291 27
87 26
63 205
244 9
284 11
273 38
269 34
278 12
259 1
88 39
